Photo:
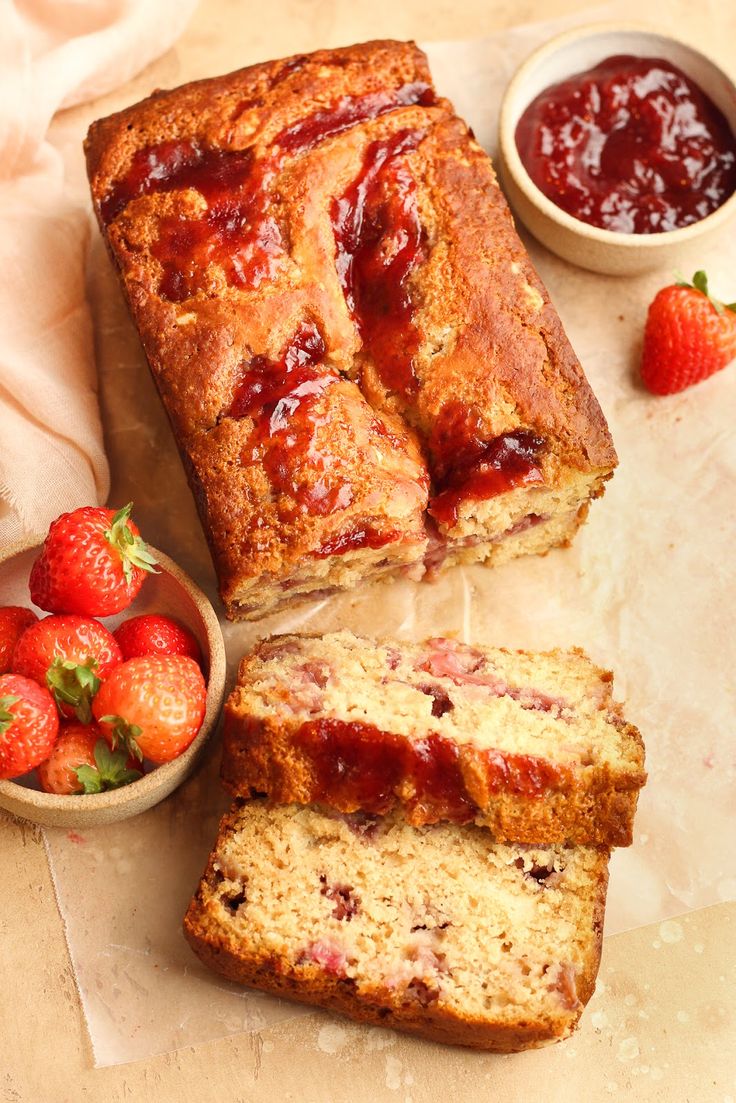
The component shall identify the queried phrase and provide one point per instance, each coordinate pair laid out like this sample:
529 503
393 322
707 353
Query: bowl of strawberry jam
618 149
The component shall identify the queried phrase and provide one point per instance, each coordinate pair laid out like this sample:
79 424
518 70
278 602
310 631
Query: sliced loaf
438 930
531 746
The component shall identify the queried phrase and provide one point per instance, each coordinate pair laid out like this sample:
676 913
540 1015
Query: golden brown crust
506 353
489 342
378 1008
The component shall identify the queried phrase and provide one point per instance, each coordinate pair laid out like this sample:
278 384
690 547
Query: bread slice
530 745
437 930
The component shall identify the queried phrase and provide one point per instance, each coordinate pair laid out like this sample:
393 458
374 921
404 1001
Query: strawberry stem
134 552
74 684
124 734
6 716
700 283
111 770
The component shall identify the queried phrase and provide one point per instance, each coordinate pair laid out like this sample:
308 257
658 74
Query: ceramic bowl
173 593
576 241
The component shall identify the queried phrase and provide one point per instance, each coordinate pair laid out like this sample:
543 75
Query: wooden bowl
172 593
574 240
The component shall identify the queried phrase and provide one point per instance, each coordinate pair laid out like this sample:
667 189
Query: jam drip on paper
379 242
465 464
632 145
239 231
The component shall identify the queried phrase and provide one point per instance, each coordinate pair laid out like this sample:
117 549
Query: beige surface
673 1040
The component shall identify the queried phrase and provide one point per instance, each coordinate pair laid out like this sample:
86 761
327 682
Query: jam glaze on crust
335 194
438 730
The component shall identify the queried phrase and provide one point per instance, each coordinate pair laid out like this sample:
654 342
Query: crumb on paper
628 1049
331 1038
671 931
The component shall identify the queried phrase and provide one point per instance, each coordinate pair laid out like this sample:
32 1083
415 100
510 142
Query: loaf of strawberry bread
529 745
438 930
363 372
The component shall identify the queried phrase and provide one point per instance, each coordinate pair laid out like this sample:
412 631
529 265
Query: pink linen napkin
54 54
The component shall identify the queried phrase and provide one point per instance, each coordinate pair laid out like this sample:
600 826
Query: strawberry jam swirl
467 465
379 242
363 536
240 230
358 766
280 397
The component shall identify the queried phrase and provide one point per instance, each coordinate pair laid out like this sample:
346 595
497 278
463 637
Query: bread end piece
437 931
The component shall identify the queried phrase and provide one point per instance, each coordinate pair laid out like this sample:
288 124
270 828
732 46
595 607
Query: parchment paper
646 589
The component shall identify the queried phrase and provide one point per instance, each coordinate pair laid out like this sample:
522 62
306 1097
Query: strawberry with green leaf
689 336
29 725
153 705
71 656
93 563
83 762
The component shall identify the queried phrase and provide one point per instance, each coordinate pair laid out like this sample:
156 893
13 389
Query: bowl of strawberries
112 672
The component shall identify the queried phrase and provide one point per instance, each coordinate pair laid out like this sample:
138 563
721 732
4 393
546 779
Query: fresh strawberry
82 762
93 563
70 655
153 704
688 337
29 725
13 622
151 634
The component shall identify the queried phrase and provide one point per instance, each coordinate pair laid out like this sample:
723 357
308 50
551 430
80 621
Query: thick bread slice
436 930
530 745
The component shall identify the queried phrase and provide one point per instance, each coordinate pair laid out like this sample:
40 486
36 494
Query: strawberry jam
266 384
379 242
434 767
239 231
280 397
358 766
320 125
362 537
632 145
468 465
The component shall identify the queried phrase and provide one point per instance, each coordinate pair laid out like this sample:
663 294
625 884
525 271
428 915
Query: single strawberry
93 562
82 762
70 655
29 725
13 622
153 704
688 337
152 634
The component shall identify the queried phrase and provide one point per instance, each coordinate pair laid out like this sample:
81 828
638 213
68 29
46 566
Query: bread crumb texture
439 929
